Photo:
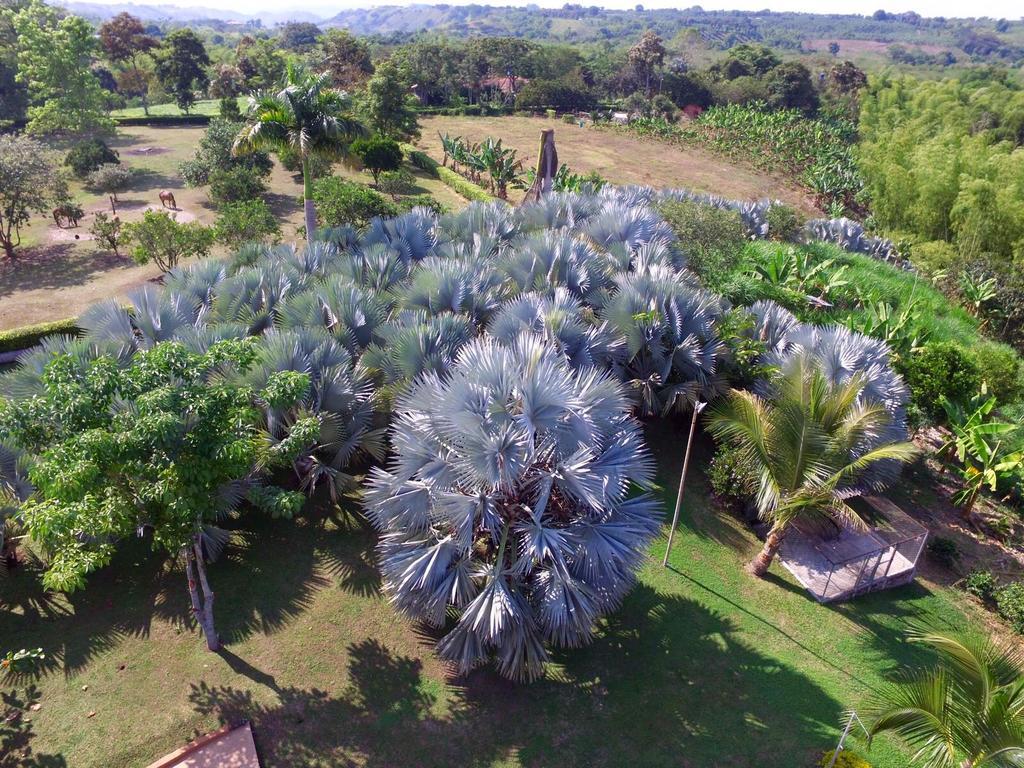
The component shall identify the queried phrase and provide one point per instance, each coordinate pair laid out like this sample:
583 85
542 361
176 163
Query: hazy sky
1011 9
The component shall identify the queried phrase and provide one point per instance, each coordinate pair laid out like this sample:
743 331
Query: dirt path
620 159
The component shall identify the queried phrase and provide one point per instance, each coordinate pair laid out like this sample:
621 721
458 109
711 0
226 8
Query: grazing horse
67 215
167 200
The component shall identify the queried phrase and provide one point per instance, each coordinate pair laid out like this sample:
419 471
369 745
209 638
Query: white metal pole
697 408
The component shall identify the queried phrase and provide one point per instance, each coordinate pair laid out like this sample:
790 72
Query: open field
702 666
60 272
619 158
208 107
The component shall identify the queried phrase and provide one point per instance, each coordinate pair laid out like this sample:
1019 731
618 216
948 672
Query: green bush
567 95
1010 605
28 336
396 183
422 201
1000 367
981 584
340 202
784 223
846 759
245 221
378 154
214 154
943 551
729 481
158 237
940 368
86 157
934 256
228 109
712 238
231 185
420 160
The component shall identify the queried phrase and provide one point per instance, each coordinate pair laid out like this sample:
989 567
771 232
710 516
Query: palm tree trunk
760 564
307 200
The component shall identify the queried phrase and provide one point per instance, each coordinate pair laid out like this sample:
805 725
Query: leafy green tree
85 157
803 445
162 445
181 67
346 57
214 154
306 116
245 221
966 711
259 62
160 238
790 87
389 107
231 185
378 154
646 57
54 62
299 36
108 232
29 182
124 40
13 94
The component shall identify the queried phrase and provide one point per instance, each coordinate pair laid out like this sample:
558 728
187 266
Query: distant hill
177 13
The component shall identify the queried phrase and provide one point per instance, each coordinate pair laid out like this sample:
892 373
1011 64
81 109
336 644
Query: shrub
231 185
396 183
1010 605
340 202
712 238
159 238
784 223
420 160
934 256
730 482
944 551
1000 367
244 221
423 201
228 109
86 157
378 154
29 335
981 584
22 662
108 232
466 188
940 368
110 178
846 759
214 154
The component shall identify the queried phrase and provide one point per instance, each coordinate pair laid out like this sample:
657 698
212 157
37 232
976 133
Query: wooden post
697 408
547 167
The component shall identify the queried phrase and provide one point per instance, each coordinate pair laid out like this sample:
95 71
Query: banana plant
977 292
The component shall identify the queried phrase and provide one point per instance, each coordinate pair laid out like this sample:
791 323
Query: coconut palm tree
965 712
803 443
306 116
508 502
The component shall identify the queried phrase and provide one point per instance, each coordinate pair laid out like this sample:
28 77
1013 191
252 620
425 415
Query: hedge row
30 335
462 185
164 120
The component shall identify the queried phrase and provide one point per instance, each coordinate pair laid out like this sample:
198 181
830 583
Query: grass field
703 665
619 158
207 107
60 272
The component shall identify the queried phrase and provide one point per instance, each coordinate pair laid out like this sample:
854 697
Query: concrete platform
224 748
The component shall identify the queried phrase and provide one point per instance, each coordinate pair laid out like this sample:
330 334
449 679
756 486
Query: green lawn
702 666
210 107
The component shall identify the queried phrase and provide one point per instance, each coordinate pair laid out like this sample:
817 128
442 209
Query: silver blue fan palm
508 502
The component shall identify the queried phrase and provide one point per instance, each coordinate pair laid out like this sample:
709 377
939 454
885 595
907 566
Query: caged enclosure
485 371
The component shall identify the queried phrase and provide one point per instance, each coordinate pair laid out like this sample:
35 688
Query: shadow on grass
16 734
54 265
665 683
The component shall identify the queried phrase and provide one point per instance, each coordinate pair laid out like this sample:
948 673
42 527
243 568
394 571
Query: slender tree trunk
202 605
9 249
760 564
307 200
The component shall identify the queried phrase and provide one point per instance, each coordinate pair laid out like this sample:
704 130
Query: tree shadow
55 265
668 660
16 732
282 205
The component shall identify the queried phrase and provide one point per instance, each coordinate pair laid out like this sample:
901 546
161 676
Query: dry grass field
620 159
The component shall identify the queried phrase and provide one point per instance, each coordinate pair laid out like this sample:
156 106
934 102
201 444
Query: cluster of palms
488 159
510 349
